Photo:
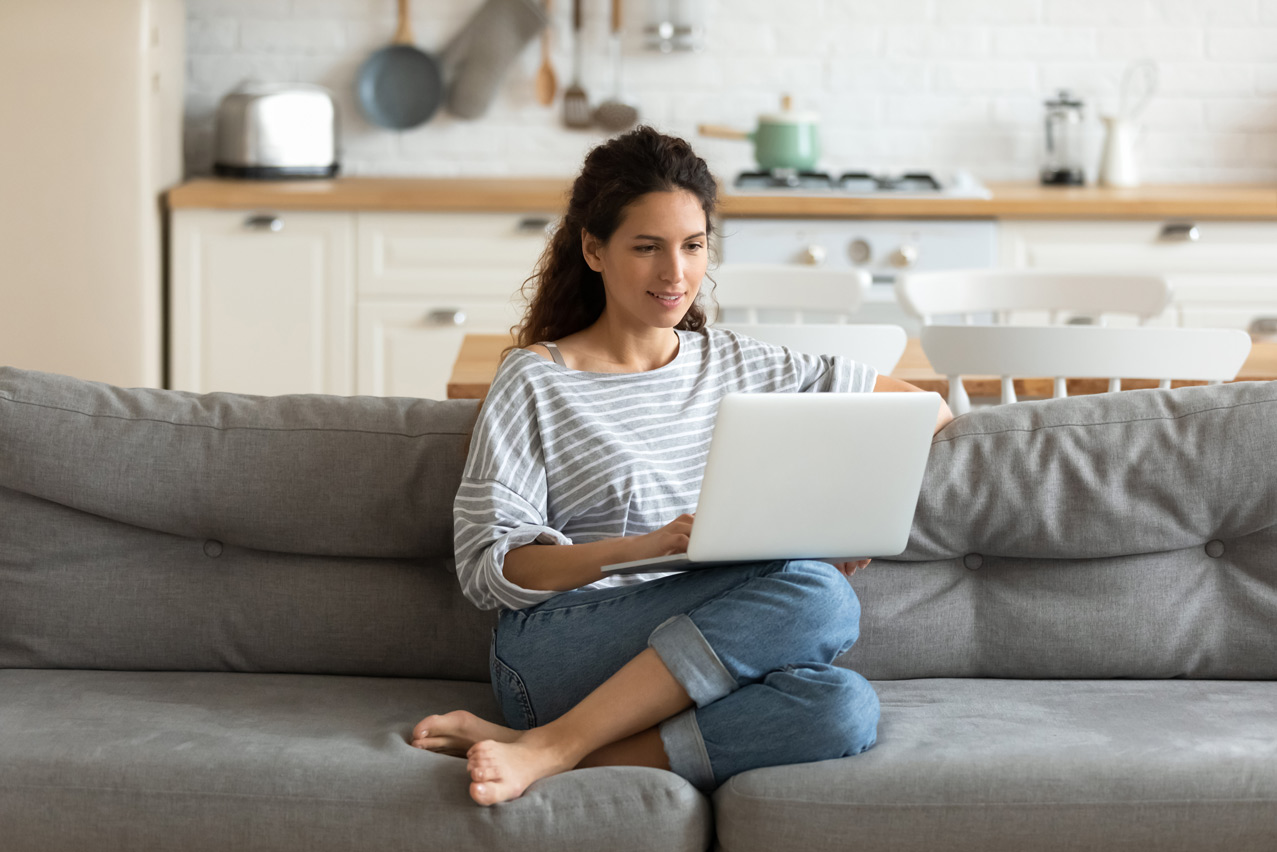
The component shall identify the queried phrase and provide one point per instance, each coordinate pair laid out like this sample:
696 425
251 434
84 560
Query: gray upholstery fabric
1048 766
1121 535
320 475
130 762
228 532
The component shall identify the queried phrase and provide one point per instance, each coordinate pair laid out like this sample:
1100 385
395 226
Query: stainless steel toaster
276 130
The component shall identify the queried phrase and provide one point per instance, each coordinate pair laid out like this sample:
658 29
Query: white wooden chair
784 293
1213 355
879 346
968 293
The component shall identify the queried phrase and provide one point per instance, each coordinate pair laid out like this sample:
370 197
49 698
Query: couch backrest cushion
1119 535
150 529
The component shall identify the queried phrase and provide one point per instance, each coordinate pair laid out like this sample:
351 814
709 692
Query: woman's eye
695 246
645 249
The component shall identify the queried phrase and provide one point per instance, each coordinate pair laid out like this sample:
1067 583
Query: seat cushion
1049 766
229 761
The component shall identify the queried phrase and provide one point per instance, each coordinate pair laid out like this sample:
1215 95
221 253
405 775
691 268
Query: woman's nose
672 267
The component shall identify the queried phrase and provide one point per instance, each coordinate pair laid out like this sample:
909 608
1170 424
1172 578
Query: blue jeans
752 644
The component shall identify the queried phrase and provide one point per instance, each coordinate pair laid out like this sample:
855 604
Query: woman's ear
590 246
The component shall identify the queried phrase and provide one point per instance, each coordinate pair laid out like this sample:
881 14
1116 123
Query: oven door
884 247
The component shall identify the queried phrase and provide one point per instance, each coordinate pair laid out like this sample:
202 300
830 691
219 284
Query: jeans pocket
510 692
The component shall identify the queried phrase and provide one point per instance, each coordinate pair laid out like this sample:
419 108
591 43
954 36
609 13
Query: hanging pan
400 86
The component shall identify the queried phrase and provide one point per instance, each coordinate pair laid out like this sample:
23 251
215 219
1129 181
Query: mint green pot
786 144
783 140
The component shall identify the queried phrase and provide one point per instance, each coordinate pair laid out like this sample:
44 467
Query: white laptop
831 476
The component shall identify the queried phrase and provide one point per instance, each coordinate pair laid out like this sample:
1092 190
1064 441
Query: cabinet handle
264 223
534 224
1179 233
447 316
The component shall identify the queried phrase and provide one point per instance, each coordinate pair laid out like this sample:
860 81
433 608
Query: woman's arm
889 385
559 567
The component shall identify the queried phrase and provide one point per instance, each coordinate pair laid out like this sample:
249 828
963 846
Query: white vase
1118 161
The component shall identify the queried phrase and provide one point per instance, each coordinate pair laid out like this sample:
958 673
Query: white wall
898 83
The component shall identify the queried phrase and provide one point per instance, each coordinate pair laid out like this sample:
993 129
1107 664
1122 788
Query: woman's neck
606 349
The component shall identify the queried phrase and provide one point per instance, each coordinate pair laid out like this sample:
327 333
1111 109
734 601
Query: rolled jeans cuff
688 655
685 749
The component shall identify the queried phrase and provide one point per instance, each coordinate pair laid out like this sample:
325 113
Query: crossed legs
743 682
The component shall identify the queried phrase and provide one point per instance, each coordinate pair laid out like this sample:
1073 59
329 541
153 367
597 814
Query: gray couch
221 615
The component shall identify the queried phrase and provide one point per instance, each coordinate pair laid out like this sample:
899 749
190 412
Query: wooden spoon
547 83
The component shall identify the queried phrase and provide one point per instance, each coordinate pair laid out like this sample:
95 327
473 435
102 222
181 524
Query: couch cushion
1051 766
216 761
320 475
1116 535
230 532
81 591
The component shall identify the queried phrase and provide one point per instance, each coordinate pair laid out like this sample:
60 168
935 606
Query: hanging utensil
399 86
576 103
1139 83
547 83
617 112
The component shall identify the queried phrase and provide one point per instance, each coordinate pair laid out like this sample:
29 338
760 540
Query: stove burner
908 182
785 179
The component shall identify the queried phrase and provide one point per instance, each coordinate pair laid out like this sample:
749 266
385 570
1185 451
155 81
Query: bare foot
454 733
501 771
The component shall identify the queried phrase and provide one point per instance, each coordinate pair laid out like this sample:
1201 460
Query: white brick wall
899 83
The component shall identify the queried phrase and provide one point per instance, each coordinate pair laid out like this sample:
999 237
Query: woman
589 451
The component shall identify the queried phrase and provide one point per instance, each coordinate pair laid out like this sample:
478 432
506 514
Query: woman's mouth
667 299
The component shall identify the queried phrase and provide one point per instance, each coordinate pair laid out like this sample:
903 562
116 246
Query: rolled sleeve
490 520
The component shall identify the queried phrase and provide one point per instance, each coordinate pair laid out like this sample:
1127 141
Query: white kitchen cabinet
407 348
262 303
341 302
428 279
1222 273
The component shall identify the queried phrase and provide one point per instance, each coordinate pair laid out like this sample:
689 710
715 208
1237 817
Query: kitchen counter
1009 201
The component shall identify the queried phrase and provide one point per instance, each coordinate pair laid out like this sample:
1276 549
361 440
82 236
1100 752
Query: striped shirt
561 456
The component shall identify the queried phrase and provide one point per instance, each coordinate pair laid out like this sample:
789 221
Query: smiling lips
667 299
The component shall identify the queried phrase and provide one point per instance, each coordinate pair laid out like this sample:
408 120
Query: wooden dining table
480 354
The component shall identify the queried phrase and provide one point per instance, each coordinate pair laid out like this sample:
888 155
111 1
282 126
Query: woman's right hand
669 540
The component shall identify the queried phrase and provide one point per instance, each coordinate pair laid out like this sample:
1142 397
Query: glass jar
1063 154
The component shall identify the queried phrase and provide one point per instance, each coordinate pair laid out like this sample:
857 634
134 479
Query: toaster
276 130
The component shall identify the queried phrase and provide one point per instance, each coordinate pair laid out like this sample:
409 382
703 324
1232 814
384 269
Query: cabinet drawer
1154 247
408 347
433 254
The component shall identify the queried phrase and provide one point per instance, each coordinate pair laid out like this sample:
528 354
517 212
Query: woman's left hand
849 568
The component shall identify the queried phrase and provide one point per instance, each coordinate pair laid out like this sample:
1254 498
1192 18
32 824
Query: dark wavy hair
564 294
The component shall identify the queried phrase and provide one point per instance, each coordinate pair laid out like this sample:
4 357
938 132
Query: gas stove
959 184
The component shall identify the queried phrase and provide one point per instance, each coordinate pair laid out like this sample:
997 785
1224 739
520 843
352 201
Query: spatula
547 84
576 103
617 112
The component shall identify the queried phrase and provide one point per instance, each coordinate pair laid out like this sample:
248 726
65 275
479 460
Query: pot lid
788 115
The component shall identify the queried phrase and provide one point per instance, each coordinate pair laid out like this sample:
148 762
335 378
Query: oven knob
813 255
904 256
860 252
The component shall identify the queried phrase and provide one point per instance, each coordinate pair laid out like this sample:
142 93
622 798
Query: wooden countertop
480 354
497 195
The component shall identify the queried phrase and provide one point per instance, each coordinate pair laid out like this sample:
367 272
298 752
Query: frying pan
399 86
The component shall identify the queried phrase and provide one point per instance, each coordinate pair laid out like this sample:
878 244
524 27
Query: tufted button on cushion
973 561
1215 549
213 548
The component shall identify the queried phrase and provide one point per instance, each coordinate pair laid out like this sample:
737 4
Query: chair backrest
758 292
879 346
1000 292
1063 351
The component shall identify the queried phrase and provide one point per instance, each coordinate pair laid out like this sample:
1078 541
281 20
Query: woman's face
653 264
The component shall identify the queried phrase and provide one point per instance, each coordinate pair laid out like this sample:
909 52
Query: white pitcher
1118 161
